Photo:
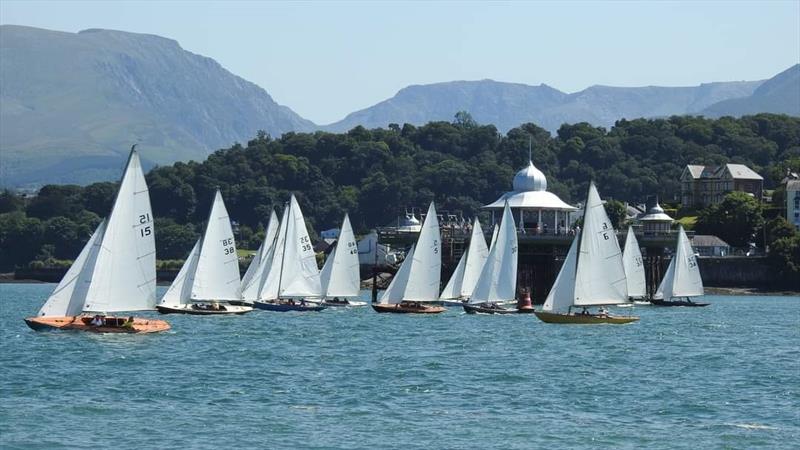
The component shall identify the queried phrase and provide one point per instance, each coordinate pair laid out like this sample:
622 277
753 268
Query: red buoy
524 303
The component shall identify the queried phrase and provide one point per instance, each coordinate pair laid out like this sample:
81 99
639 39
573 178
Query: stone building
703 186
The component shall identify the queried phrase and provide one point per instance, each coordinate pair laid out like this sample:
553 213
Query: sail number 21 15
148 230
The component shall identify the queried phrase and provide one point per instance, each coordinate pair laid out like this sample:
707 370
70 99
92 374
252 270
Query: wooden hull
191 309
482 308
655 302
83 323
582 319
408 309
284 307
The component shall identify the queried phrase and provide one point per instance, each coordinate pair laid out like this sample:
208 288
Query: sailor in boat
98 321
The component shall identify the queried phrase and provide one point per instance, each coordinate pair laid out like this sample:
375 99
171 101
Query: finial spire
530 149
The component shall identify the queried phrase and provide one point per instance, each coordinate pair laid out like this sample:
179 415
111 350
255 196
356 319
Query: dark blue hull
283 307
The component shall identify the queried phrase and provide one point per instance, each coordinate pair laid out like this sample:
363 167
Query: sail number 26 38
305 244
148 230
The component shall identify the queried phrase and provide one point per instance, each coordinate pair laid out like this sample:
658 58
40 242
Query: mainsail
124 272
300 276
600 275
420 274
498 279
217 274
683 275
340 275
426 268
634 266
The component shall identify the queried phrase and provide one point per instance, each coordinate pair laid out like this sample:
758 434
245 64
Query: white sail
600 277
252 270
124 277
495 230
498 279
562 294
259 266
477 254
68 297
217 273
274 265
394 293
686 281
327 269
453 288
300 276
180 291
426 268
343 279
634 266
665 288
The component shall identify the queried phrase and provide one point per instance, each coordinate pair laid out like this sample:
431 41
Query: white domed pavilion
536 210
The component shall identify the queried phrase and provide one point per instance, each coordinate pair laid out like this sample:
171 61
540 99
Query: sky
327 59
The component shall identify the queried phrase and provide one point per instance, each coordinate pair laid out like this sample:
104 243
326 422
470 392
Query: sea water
725 376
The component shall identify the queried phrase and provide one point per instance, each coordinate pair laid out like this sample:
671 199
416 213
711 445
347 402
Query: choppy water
726 376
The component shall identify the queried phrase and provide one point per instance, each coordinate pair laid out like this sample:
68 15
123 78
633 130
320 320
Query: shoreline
8 278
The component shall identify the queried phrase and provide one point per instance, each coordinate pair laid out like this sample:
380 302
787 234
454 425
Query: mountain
72 104
506 105
780 94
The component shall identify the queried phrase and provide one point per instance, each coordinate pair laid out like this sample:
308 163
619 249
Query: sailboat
292 282
469 267
592 273
253 279
340 277
115 271
634 269
498 278
417 280
209 278
682 279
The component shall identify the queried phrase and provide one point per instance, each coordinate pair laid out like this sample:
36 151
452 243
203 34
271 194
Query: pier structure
544 234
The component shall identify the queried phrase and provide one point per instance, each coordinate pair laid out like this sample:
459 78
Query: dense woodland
376 174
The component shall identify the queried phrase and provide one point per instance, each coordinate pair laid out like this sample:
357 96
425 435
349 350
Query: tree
735 220
616 213
463 119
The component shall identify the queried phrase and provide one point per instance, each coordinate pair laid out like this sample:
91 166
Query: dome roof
656 214
530 179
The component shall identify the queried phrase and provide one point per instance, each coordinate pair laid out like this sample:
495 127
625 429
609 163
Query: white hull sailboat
415 287
292 281
115 271
461 284
209 278
592 274
340 277
497 282
682 280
